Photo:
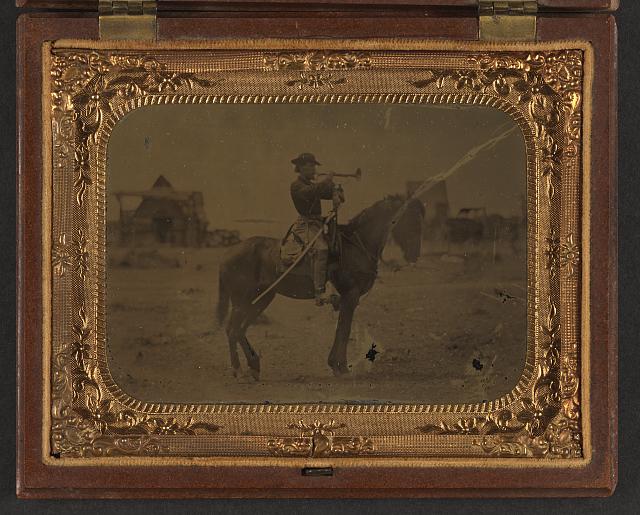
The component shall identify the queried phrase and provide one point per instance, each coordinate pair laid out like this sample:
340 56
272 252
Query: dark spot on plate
371 355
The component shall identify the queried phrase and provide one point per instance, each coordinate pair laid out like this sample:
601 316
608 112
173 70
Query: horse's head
407 230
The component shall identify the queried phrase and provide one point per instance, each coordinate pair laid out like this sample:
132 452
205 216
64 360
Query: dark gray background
625 500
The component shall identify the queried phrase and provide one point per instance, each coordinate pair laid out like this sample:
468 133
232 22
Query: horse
252 266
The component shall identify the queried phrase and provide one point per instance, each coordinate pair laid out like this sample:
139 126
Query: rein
360 245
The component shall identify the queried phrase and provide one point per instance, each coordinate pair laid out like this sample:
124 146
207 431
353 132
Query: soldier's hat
305 158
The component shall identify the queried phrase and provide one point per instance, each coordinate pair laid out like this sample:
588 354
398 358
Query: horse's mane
363 216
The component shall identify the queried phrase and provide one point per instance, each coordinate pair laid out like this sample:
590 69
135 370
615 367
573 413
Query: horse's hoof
340 370
254 367
246 376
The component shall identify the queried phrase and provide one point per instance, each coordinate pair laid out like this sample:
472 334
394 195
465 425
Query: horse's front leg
338 355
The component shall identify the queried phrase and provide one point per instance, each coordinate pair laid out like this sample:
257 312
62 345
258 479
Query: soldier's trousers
320 258
306 229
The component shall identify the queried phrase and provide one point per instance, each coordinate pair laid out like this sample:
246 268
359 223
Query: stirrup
322 299
332 298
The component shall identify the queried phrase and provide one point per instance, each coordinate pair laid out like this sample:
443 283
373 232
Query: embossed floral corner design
88 86
544 424
548 86
86 422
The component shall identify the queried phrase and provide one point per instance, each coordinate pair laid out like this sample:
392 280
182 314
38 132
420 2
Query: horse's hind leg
253 360
234 335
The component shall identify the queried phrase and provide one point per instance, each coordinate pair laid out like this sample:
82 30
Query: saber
297 260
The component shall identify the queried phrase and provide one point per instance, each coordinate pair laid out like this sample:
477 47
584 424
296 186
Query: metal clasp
128 19
508 20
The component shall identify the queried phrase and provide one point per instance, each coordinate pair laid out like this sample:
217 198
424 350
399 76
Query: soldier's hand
328 177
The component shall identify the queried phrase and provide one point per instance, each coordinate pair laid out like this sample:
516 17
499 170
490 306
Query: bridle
358 243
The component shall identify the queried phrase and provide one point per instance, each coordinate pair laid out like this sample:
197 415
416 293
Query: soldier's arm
325 188
306 192
310 192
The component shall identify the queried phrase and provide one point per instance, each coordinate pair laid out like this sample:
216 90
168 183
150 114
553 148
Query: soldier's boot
320 277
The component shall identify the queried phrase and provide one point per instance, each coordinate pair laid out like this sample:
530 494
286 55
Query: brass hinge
127 19
513 20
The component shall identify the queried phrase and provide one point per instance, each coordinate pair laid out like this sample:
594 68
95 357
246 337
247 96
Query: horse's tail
223 300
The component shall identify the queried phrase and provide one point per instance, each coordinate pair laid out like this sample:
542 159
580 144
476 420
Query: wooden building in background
163 216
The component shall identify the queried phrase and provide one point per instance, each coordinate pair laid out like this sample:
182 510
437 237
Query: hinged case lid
324 5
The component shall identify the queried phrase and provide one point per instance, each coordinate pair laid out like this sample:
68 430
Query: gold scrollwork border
93 85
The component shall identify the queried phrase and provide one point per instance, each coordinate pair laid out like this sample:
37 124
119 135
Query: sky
239 155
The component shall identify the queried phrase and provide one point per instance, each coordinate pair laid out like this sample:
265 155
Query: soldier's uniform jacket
307 194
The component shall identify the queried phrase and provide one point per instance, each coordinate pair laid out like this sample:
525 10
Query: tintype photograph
308 253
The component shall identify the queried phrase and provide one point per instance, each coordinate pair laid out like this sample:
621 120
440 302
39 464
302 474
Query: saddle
292 245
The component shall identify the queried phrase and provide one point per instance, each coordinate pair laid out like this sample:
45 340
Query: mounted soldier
250 275
306 194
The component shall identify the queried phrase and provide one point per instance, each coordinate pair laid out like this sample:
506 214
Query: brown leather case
203 19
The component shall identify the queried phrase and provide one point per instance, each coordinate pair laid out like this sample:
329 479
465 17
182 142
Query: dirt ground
450 329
